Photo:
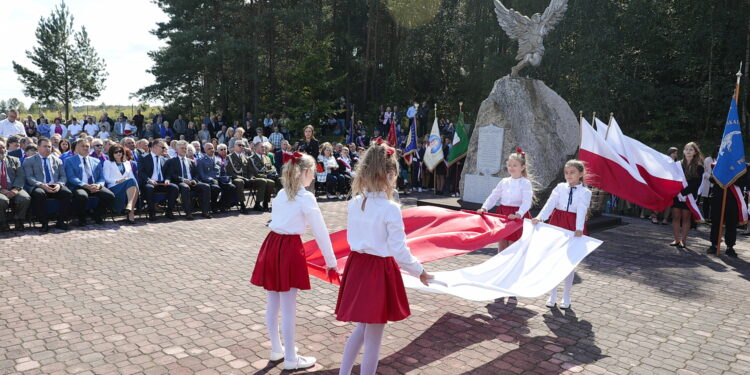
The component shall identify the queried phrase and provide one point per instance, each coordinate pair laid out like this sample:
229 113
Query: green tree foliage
665 68
69 69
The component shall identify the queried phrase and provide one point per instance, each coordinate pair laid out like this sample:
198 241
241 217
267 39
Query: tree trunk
746 88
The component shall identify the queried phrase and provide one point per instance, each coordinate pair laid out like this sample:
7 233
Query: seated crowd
89 173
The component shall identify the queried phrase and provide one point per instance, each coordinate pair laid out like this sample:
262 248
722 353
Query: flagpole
724 188
434 171
580 131
609 124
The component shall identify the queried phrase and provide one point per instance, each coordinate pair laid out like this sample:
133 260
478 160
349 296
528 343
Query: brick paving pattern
173 297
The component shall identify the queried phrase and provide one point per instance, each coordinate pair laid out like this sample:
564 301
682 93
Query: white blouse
293 217
514 192
379 230
561 199
112 173
329 163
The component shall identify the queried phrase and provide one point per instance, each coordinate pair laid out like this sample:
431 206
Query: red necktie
3 176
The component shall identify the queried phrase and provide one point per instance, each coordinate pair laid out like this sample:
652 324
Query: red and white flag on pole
663 175
608 171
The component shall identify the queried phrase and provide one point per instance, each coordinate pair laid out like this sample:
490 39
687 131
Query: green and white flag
460 142
433 154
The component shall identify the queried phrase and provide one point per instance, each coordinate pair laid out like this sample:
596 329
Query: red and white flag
663 175
742 214
607 170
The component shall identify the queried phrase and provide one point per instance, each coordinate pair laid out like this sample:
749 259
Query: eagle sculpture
529 32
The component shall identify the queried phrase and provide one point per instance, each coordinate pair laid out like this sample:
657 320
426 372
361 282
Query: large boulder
532 117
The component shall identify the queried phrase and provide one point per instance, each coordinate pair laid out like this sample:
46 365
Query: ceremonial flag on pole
433 154
608 171
730 164
601 128
663 175
392 139
460 142
350 132
411 141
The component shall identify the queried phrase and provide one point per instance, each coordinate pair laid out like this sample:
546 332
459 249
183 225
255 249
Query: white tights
286 302
567 286
370 335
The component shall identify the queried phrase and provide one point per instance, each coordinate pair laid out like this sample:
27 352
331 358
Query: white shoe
341 197
565 305
329 196
300 363
276 356
550 303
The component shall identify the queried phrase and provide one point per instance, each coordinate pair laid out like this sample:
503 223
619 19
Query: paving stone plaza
174 297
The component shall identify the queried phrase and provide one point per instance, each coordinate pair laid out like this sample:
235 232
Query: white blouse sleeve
111 173
314 218
397 242
496 194
582 209
527 195
550 205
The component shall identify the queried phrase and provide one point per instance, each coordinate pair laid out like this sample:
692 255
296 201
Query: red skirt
281 264
372 291
566 220
508 210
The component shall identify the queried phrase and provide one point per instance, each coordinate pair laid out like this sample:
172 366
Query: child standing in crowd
281 267
692 166
372 291
566 208
514 193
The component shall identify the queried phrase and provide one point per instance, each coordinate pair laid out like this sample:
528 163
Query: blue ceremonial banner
730 164
411 141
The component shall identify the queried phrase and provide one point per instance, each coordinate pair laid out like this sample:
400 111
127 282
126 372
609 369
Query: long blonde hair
376 171
691 170
520 157
291 175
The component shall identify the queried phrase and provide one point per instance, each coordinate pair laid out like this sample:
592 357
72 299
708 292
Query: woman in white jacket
120 179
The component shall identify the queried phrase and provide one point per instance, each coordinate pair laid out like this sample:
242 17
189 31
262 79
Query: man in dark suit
238 167
153 178
12 179
211 170
13 146
45 179
184 173
86 179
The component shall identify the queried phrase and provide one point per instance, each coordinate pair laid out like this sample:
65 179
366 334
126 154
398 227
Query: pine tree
69 69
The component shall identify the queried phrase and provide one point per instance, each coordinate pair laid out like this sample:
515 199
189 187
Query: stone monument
521 112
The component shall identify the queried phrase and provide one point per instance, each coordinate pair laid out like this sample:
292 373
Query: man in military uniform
240 169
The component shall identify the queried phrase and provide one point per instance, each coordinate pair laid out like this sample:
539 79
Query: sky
118 29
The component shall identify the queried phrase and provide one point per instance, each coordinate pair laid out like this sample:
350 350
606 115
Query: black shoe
207 215
189 217
711 250
45 228
257 207
265 207
731 253
81 222
129 220
99 220
243 210
19 226
62 226
169 215
151 216
4 227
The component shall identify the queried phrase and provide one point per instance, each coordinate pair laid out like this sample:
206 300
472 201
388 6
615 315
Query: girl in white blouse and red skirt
281 267
372 290
515 194
567 208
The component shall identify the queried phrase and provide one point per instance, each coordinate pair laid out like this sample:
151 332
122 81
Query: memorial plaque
477 187
490 149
